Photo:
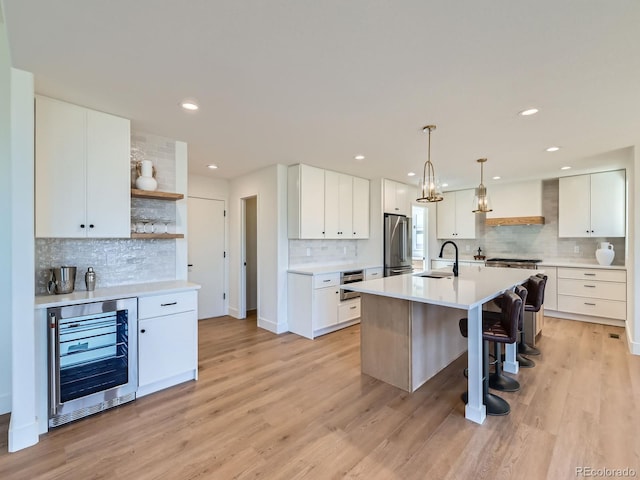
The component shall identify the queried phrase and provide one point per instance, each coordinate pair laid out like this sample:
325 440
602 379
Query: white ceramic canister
605 253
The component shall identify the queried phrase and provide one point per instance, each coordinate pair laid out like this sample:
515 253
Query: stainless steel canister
90 279
61 280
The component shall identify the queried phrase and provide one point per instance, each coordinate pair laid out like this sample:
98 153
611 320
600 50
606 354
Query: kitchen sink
434 274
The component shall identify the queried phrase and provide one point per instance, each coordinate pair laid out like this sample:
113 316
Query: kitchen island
409 325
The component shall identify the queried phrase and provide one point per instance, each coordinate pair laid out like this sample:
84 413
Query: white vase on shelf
605 253
146 181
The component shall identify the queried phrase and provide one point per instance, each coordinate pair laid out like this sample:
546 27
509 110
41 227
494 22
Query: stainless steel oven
350 277
92 358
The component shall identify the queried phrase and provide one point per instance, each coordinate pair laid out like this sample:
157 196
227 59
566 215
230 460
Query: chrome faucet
455 264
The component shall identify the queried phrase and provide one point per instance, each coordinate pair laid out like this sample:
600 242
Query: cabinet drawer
167 304
326 280
593 289
349 310
593 274
373 273
591 306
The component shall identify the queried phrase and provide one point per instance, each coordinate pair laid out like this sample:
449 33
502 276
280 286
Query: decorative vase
146 181
605 253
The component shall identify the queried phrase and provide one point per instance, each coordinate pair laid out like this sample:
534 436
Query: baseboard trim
234 312
272 326
634 347
22 436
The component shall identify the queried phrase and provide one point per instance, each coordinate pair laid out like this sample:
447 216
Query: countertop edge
322 269
111 293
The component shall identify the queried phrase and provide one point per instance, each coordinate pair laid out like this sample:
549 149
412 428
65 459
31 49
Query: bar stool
498 380
504 330
535 299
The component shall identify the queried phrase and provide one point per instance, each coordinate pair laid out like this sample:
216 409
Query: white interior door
206 254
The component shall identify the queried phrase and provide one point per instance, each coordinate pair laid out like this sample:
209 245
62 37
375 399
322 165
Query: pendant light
430 187
481 202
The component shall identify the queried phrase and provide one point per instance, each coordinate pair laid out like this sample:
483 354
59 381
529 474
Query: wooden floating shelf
496 222
146 236
135 193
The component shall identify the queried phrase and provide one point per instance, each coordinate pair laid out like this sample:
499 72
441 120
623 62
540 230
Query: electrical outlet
344 250
468 248
576 249
308 252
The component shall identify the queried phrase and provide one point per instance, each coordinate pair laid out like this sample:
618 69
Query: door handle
189 264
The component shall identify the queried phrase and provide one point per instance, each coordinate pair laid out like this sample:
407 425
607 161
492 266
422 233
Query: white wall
211 188
633 252
5 216
23 428
269 185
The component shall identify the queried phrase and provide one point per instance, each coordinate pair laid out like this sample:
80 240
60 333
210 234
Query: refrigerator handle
403 243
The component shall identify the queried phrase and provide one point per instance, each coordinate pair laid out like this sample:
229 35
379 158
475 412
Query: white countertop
582 264
475 285
320 269
111 293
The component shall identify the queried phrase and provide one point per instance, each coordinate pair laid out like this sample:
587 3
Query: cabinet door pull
590 274
91 225
590 286
168 304
142 331
326 280
353 307
590 304
82 225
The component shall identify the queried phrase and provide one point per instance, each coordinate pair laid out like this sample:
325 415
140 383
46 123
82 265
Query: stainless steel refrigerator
397 245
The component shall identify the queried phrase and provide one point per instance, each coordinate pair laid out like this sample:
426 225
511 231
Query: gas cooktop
512 262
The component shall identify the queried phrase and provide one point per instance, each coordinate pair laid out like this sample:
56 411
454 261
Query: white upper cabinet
455 218
338 205
592 205
360 208
327 204
398 197
82 172
306 202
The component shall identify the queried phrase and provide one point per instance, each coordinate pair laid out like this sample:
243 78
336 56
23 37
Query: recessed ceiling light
553 149
212 166
189 105
359 157
565 168
445 184
528 111
496 178
411 174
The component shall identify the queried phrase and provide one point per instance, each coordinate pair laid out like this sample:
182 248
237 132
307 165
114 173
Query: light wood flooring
282 407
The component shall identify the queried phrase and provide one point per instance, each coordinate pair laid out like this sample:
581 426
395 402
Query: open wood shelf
135 193
146 236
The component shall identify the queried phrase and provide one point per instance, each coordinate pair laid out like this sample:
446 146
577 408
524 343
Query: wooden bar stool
502 330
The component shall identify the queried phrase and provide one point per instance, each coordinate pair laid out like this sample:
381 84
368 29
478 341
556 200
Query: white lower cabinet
167 340
593 292
314 306
373 273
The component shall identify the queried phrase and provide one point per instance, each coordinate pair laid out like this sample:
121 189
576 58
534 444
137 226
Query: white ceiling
318 82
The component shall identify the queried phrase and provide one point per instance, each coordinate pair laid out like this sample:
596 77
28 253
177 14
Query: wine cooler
92 358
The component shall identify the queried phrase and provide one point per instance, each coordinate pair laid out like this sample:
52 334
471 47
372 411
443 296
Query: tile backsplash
122 261
322 252
115 261
539 241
